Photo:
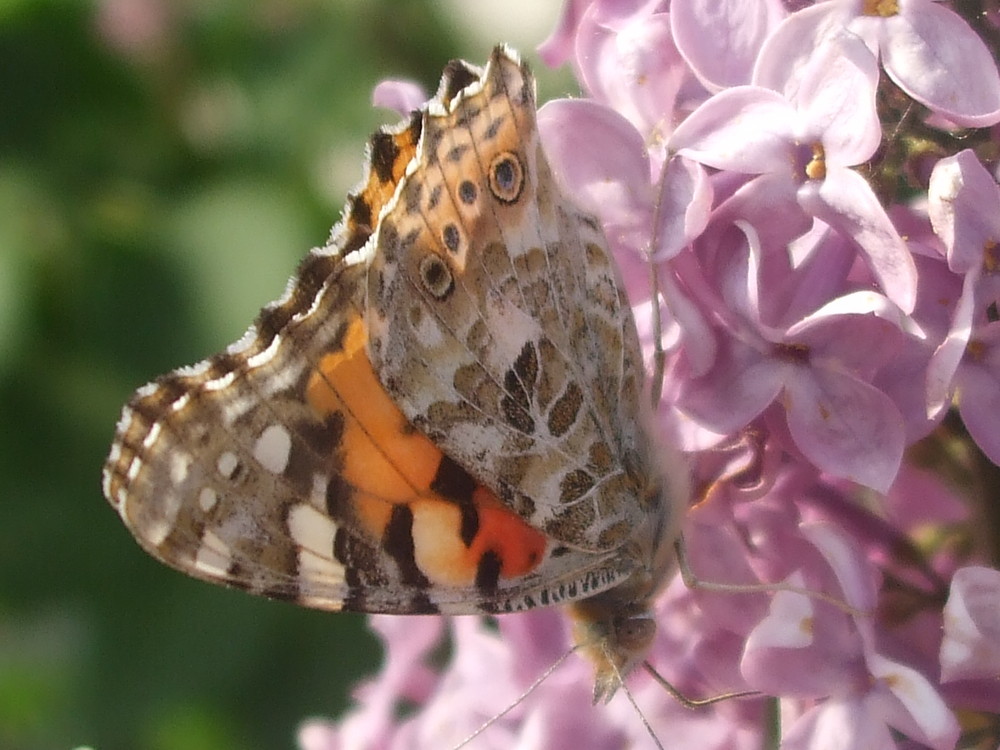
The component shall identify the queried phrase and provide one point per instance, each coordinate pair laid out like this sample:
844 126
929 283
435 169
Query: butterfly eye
635 632
436 276
506 177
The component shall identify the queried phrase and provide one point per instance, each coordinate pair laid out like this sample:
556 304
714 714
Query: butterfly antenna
631 699
519 699
694 703
675 694
693 582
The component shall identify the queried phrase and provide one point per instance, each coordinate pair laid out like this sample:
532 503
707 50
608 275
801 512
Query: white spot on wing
227 464
133 469
311 529
152 435
214 555
106 482
313 532
182 401
180 464
265 356
207 499
147 390
221 382
156 531
171 505
116 453
272 448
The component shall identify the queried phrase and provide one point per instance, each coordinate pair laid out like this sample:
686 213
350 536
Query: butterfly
444 412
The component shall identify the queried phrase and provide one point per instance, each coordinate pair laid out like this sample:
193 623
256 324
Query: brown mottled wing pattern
498 323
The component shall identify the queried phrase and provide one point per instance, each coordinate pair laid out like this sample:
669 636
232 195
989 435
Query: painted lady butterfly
443 412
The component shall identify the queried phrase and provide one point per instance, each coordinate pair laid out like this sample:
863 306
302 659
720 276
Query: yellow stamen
880 8
991 259
816 168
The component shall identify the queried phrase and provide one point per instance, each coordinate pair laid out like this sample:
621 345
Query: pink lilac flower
825 319
629 62
721 40
836 657
929 51
964 208
817 368
804 149
488 676
970 648
400 96
625 190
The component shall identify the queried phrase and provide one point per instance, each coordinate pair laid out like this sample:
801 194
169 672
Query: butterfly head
615 630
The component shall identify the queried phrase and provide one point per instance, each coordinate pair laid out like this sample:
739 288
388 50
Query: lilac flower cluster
814 190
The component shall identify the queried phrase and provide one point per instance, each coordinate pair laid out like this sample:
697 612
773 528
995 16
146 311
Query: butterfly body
443 414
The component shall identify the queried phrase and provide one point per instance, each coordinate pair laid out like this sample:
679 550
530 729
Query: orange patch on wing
382 182
382 457
388 462
519 546
442 555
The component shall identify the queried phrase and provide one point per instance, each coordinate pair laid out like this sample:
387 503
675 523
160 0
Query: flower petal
401 96
738 388
911 704
963 203
978 385
839 724
744 129
634 68
720 39
970 648
948 356
845 201
598 157
935 57
786 53
556 50
683 208
837 100
845 426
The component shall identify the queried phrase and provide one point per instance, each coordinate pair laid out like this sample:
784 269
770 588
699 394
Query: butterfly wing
282 466
498 323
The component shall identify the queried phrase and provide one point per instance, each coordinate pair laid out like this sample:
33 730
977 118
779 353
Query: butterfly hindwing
499 326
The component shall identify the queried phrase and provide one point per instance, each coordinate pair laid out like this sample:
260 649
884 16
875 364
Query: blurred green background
163 166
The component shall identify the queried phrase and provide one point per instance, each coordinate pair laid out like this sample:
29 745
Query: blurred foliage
163 166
